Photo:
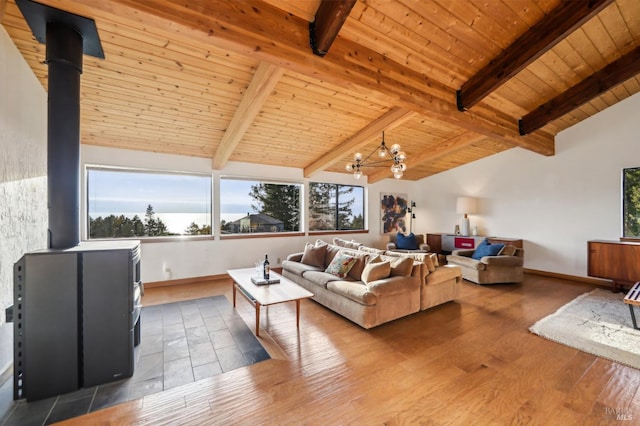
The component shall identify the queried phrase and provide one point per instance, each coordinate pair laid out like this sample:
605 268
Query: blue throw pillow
406 242
485 248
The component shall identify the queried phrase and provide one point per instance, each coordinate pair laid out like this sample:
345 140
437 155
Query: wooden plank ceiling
238 81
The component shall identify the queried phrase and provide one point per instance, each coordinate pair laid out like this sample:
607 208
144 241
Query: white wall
23 167
555 203
194 258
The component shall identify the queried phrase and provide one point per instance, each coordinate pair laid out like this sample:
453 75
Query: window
131 203
248 206
631 202
335 207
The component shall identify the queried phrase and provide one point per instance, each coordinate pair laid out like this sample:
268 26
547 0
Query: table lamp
465 206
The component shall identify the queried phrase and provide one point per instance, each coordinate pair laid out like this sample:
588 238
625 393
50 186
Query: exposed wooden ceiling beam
3 8
263 32
540 38
389 120
262 84
325 27
447 147
613 74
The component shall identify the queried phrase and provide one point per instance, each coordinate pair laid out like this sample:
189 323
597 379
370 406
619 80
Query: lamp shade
466 205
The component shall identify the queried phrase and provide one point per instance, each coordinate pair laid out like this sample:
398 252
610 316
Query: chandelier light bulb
397 175
349 166
403 167
395 148
402 156
382 152
357 174
358 157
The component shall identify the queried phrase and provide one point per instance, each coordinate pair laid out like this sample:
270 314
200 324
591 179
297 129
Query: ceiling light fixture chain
393 154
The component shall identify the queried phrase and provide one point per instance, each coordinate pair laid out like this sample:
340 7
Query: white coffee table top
285 291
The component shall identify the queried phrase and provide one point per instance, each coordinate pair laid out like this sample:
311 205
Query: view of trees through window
631 202
335 207
130 204
253 206
133 204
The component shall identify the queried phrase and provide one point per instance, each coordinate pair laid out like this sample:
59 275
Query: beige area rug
598 323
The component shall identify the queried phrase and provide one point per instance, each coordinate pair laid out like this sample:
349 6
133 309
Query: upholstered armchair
407 243
503 266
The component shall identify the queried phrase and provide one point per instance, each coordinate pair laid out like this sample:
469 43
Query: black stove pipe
64 58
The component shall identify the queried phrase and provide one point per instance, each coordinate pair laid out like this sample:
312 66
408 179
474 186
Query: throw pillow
341 265
406 242
429 262
485 248
434 259
401 267
376 271
507 250
314 255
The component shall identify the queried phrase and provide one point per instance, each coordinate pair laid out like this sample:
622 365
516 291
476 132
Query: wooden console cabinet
446 243
618 261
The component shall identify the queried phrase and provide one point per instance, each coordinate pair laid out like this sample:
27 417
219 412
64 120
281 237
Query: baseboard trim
184 281
588 280
193 280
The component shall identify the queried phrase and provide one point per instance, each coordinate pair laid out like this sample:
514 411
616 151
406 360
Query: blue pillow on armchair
406 242
485 248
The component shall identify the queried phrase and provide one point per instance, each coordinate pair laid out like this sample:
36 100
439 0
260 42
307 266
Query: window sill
261 235
343 232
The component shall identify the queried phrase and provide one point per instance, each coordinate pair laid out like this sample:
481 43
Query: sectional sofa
379 287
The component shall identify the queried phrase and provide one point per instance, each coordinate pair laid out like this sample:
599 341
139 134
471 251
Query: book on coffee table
262 281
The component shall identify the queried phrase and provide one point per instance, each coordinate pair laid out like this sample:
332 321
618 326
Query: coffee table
265 295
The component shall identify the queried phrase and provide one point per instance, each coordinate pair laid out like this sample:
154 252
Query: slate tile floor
181 342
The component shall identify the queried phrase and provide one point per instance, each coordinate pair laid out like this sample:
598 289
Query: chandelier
387 157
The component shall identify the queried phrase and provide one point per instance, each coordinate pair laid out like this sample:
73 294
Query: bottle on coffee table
265 267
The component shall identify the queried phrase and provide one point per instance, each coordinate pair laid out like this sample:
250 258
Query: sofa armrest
295 257
394 285
466 253
391 246
467 261
502 260
425 247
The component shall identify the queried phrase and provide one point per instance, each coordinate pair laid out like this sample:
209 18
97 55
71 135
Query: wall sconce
465 206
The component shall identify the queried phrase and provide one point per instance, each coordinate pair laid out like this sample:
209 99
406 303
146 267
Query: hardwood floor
472 361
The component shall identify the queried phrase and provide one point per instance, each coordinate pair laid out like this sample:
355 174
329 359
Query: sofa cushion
507 250
341 265
353 290
346 244
332 250
370 250
394 285
314 255
331 253
466 261
443 274
320 278
406 242
298 268
428 260
485 248
374 271
401 267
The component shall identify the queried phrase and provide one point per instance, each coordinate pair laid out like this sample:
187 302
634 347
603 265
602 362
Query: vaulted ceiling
452 81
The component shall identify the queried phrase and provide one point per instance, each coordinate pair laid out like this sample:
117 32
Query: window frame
337 186
263 180
148 171
625 206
